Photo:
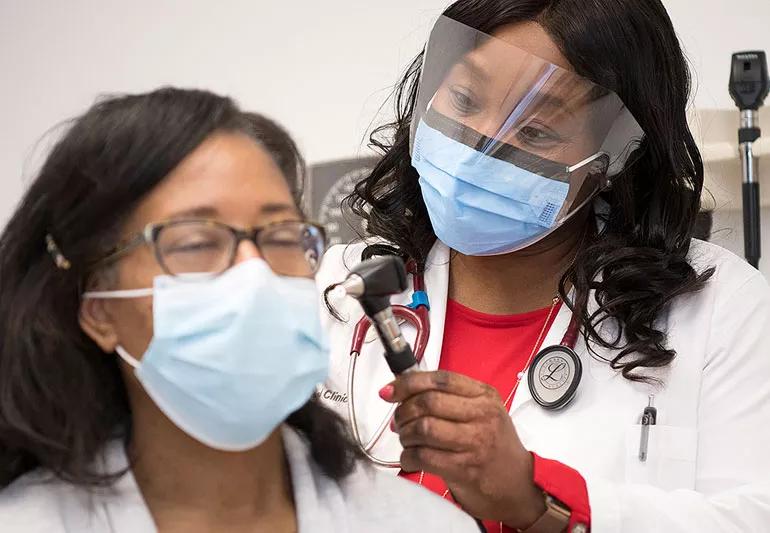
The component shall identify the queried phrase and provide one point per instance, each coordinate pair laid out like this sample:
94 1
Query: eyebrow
549 100
476 69
203 211
277 208
543 100
209 211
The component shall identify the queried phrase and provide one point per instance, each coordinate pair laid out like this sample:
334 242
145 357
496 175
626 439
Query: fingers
440 405
412 383
438 434
447 464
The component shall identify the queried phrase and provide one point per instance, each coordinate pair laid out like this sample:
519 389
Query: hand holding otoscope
372 283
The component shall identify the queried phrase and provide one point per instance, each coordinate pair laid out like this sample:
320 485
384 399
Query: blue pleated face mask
478 204
233 356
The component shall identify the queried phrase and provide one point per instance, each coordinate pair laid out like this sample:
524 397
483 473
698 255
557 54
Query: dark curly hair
61 398
637 263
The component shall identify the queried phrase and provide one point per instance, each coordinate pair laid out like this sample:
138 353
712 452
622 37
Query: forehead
522 59
532 38
229 176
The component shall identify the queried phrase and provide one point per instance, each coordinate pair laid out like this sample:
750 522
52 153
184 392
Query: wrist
530 501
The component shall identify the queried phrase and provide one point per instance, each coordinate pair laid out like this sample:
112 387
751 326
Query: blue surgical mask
478 204
233 356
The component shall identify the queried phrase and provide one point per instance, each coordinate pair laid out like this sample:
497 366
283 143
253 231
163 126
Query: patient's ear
96 322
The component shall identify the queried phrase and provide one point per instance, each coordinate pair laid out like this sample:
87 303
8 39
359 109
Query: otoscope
372 282
748 87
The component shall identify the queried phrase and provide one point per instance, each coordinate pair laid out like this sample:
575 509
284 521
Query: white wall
321 68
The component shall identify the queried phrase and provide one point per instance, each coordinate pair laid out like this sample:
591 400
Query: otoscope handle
398 353
400 362
751 227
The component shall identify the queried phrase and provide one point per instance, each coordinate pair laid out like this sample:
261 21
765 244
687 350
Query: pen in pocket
649 418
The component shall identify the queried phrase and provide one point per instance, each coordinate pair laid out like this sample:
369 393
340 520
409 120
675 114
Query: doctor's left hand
457 428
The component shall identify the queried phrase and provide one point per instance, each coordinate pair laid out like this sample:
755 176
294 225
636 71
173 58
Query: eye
463 100
183 240
192 245
538 135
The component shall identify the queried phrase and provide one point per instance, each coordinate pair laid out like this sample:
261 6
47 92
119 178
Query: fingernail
386 393
393 425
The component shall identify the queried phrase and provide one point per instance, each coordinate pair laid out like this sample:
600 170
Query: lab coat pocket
671 456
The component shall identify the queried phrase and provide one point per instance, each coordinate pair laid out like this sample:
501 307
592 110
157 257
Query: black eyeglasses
291 248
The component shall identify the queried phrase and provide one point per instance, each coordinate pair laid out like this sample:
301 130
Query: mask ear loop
127 357
599 163
124 294
598 160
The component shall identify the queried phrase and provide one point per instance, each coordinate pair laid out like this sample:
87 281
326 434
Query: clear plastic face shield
508 146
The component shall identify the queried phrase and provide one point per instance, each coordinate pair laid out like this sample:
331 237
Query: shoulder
730 314
727 265
733 277
367 499
374 495
34 503
40 502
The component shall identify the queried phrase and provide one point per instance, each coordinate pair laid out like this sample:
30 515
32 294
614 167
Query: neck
184 481
517 282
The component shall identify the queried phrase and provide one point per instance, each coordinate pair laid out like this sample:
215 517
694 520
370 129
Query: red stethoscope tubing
420 320
571 335
416 317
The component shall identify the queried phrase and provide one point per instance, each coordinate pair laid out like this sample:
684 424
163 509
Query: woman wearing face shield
589 365
159 337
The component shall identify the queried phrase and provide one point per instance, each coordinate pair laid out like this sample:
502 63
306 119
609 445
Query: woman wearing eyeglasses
159 338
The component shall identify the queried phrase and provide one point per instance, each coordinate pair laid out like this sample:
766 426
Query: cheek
133 317
133 324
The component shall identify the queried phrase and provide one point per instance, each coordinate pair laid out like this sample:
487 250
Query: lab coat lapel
437 287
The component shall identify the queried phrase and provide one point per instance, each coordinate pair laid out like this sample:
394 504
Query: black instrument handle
751 226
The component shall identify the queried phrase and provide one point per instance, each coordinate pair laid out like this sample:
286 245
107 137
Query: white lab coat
709 454
363 501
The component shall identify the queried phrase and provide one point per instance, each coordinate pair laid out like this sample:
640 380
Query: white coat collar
320 503
437 287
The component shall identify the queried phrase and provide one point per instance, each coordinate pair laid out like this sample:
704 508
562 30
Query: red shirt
493 349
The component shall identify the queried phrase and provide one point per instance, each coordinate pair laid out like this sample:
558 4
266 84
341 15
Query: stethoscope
554 373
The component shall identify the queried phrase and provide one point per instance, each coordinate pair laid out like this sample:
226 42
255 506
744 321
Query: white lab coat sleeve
732 483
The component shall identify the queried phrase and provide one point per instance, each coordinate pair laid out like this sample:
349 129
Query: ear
97 324
598 170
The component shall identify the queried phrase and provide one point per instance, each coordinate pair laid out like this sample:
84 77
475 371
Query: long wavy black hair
638 263
61 398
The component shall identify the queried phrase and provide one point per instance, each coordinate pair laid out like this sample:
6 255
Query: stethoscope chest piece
554 376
